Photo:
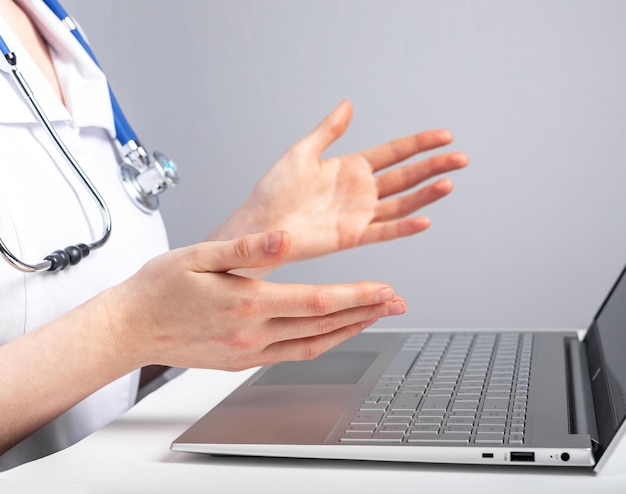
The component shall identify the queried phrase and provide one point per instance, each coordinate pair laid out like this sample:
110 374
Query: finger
291 300
288 328
398 150
250 251
392 209
310 348
408 176
391 230
328 130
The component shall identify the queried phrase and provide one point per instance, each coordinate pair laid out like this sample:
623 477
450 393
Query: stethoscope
144 177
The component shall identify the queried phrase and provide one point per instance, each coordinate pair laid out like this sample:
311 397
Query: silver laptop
499 398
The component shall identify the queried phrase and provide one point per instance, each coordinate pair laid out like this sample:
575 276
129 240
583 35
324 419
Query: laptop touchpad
334 367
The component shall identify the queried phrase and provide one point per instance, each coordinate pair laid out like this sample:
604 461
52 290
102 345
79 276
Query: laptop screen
606 353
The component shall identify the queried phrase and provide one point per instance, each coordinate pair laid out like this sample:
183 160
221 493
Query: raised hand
337 203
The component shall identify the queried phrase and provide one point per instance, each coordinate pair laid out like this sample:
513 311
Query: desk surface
132 455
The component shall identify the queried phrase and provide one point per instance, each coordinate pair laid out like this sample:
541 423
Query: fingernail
385 294
396 308
273 242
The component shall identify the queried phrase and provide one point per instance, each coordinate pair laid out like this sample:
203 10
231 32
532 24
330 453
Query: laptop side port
523 456
487 455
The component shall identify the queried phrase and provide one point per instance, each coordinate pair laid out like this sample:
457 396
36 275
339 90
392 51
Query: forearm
180 309
47 371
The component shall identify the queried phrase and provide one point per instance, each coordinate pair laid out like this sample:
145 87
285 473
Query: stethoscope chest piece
145 178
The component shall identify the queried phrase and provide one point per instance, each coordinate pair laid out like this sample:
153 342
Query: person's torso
44 207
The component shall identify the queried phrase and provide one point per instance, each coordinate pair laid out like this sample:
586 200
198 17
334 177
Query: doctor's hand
337 203
185 309
180 309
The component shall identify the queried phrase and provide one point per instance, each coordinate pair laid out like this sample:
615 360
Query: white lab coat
44 207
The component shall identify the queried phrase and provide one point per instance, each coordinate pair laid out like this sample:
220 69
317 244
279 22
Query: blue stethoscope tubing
123 131
144 177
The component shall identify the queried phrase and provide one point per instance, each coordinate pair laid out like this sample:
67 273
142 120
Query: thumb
251 251
330 129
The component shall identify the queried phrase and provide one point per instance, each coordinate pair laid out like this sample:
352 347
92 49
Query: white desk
132 455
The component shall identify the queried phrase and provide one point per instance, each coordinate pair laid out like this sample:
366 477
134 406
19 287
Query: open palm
342 202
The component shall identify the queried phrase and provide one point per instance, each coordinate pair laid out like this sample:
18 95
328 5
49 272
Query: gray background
534 91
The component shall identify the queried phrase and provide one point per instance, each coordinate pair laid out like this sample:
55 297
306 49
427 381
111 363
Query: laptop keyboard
457 388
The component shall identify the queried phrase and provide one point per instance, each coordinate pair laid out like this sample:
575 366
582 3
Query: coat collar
83 84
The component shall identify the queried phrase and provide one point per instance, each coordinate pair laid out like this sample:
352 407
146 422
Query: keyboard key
493 413
361 428
464 395
498 394
429 420
387 386
450 437
421 383
436 403
410 402
374 406
446 388
386 427
489 439
465 405
492 421
413 388
465 428
432 413
367 417
470 388
496 404
396 420
424 428
440 392
491 429
387 437
461 420
356 437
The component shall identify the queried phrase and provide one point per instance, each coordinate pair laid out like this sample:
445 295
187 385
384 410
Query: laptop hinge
582 413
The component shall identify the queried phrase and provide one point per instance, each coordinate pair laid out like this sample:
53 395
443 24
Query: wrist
122 332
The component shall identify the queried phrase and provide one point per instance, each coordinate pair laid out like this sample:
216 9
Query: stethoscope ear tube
123 130
144 177
59 259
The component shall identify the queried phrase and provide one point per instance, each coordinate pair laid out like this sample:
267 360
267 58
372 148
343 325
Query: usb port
487 455
527 456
